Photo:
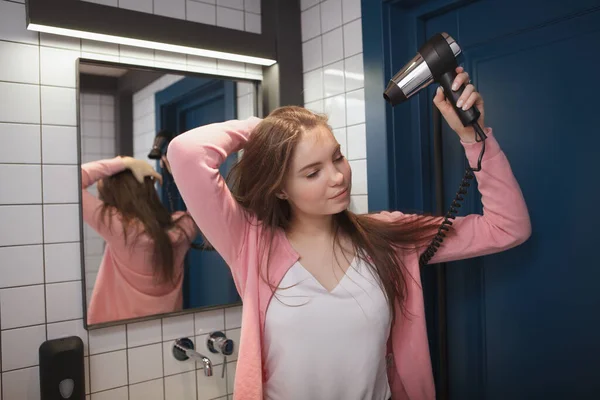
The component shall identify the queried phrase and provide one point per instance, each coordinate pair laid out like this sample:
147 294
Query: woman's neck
320 226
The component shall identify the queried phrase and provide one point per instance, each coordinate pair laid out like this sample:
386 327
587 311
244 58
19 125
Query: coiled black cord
451 214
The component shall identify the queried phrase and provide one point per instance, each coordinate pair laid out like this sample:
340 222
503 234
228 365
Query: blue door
187 104
522 324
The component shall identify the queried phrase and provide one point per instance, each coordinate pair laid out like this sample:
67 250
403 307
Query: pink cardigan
125 287
195 157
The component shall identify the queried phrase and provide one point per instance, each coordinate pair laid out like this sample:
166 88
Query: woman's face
319 179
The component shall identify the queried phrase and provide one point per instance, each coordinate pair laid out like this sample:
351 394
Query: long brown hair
261 172
139 203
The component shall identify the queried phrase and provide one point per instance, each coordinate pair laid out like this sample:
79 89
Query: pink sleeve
505 221
195 157
90 173
186 223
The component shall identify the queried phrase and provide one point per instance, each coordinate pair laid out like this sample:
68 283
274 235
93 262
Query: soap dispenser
62 369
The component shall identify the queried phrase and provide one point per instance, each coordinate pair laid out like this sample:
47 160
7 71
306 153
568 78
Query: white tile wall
40 287
334 80
242 15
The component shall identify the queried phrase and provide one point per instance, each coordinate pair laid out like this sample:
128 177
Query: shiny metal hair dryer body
435 62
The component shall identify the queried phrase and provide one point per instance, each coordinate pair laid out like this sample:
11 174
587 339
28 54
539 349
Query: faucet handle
217 342
179 349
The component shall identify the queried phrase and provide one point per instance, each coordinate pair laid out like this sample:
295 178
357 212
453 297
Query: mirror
142 254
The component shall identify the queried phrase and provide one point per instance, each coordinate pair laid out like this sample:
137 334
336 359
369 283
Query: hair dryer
436 62
161 138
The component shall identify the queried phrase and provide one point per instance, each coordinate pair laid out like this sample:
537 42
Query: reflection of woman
141 272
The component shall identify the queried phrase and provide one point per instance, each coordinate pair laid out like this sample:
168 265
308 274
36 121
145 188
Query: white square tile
333 46
14 300
145 363
63 262
178 327
136 52
69 328
61 184
21 265
355 103
231 366
233 317
107 339
312 54
108 370
173 366
353 38
244 88
359 204
20 347
340 136
170 8
304 4
315 106
237 4
253 23
211 387
61 223
20 143
202 13
22 384
59 144
331 14
235 335
137 5
252 6
151 390
335 108
12 24
181 387
20 63
209 321
59 41
244 107
143 62
63 301
59 106
359 177
143 333
357 142
25 223
121 393
253 69
228 18
230 65
350 10
310 23
313 85
20 184
333 79
20 103
95 46
58 66
354 72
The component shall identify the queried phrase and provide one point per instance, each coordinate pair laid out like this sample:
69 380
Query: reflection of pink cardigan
125 287
195 157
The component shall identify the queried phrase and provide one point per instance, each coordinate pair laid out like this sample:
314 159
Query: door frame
401 174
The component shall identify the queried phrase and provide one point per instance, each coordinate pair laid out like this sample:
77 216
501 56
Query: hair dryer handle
466 117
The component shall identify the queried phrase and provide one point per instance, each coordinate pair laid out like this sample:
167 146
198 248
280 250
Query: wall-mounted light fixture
86 20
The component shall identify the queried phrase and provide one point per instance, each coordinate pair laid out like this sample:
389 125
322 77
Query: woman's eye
339 158
312 175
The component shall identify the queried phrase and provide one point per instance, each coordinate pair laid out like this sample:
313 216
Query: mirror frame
259 112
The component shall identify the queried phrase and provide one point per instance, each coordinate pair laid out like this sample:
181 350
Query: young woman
333 307
141 272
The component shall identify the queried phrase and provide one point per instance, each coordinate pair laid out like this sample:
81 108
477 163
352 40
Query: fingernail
454 86
459 103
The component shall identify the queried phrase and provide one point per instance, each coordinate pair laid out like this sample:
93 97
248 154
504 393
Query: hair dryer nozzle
161 138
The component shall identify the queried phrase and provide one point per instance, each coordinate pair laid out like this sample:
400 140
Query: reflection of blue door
522 324
187 104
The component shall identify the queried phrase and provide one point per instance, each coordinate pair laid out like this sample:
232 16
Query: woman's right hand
141 169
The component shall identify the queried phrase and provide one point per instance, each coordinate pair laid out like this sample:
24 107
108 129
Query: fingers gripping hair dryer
436 62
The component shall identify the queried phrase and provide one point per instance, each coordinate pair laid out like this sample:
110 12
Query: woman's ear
281 195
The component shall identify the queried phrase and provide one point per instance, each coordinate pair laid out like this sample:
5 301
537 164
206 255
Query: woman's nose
338 177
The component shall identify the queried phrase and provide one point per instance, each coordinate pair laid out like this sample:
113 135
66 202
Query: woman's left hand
469 98
141 169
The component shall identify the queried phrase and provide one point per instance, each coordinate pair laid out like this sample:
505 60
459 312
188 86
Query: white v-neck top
327 345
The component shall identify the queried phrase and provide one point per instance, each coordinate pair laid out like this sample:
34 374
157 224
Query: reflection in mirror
143 255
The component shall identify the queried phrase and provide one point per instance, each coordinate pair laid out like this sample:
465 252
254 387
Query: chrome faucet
183 349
